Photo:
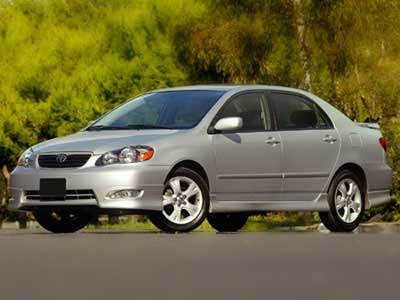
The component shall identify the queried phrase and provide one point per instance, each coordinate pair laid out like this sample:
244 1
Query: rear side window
296 113
251 108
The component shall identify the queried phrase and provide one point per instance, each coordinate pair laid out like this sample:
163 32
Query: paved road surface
132 265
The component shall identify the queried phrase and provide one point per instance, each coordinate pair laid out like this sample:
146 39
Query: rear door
310 145
248 161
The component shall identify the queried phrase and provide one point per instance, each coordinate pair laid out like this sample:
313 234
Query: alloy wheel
182 200
348 200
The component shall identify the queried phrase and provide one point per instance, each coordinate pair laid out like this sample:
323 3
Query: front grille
71 161
70 195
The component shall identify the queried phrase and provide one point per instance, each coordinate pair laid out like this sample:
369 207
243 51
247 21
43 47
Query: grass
255 223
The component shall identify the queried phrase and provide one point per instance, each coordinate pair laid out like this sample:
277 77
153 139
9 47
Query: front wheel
60 221
185 202
346 203
227 222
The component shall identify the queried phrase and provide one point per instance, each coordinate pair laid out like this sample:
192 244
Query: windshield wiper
145 126
102 127
130 126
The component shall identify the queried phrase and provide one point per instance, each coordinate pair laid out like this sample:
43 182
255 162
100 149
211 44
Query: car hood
100 142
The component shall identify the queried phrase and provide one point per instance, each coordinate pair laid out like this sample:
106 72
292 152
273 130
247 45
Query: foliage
351 52
65 62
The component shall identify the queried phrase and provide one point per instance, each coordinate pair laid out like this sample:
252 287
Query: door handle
329 139
272 141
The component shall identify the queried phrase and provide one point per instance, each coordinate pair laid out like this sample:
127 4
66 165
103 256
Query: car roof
228 87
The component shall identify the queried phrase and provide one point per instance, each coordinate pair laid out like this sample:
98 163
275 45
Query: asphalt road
131 265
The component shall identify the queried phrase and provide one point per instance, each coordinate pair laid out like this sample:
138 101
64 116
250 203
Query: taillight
383 143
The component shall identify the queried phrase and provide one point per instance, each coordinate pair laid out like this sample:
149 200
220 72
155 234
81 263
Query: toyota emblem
61 158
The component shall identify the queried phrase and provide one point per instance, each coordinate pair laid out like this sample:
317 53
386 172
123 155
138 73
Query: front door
248 161
310 146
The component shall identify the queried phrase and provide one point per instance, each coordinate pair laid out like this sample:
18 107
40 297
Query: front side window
297 113
251 108
169 110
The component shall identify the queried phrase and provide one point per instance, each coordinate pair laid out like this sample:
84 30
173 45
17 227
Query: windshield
162 110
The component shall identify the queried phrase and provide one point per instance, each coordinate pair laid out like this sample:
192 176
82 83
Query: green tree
346 51
63 63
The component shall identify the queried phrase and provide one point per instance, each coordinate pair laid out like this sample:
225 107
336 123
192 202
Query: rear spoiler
369 125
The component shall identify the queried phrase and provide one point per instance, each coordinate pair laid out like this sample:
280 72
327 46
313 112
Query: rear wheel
346 203
185 202
227 222
60 221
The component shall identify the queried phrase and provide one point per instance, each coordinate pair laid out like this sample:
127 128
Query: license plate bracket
53 189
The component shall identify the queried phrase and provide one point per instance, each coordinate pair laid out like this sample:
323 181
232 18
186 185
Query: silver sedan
181 155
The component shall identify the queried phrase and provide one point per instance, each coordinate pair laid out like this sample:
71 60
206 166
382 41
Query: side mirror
88 125
229 124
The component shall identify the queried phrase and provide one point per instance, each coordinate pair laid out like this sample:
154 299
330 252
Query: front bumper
101 180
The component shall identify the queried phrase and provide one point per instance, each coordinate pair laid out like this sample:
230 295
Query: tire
185 202
62 221
227 222
346 204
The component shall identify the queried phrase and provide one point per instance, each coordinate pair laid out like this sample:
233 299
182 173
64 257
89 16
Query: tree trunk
113 219
139 218
303 49
22 224
6 174
3 192
304 59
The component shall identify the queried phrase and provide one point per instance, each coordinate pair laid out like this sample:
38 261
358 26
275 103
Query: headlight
27 158
130 154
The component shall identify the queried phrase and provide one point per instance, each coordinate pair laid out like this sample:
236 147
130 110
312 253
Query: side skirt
320 204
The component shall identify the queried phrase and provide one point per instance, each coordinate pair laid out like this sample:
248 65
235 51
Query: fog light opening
124 194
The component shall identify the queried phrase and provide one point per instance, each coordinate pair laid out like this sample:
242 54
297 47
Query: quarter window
252 109
296 113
